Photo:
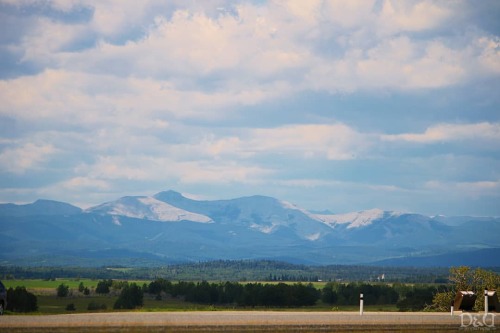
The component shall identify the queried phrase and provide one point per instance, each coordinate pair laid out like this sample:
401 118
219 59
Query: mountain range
171 228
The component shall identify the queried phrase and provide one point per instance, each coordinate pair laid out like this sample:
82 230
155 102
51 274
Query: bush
442 301
20 300
96 306
62 290
159 285
130 297
416 299
103 286
464 278
70 307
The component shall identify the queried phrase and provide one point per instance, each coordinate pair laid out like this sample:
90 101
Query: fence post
360 304
485 301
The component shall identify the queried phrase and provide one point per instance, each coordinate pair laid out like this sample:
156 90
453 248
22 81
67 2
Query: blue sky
338 105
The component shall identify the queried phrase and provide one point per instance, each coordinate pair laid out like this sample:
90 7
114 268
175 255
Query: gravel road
229 318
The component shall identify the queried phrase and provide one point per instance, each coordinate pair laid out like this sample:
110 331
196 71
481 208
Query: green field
49 303
47 284
54 305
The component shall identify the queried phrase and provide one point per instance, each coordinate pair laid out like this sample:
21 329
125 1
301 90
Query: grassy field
49 303
33 284
92 283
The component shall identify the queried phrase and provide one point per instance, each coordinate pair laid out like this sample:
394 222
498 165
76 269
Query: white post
360 304
452 309
485 301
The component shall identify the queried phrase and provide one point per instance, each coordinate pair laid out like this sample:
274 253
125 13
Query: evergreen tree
62 290
20 300
130 297
103 286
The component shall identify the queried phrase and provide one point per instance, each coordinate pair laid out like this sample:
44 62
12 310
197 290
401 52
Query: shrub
130 297
103 286
62 290
96 306
20 300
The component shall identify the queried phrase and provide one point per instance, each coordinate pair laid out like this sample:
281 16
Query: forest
239 270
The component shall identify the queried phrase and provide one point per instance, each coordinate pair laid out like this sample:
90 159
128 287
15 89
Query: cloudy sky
338 105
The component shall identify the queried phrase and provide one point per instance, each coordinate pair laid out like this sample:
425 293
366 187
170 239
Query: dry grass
244 329
230 321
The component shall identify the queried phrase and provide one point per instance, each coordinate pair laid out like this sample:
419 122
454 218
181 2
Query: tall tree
62 290
21 300
466 279
130 297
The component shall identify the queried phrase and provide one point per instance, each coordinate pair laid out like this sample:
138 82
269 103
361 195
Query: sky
330 105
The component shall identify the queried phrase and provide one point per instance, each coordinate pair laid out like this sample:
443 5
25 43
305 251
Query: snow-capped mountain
139 229
260 213
147 208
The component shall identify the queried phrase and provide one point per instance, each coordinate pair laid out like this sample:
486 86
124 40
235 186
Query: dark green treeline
407 298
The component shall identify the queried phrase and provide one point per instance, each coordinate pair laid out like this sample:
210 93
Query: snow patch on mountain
116 221
149 208
266 229
289 205
355 219
314 237
163 211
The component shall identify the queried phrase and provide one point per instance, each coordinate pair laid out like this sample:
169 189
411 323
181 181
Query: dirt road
236 321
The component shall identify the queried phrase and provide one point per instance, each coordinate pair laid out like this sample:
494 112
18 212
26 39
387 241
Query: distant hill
39 207
170 228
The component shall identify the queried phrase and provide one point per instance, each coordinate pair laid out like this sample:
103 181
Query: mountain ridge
169 227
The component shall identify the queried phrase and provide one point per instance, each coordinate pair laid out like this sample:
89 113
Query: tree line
234 293
406 297
235 270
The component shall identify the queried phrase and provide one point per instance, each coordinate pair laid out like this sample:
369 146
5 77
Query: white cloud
220 173
399 16
351 14
472 189
98 100
262 45
48 39
332 142
489 57
85 183
489 132
63 5
207 159
112 17
335 142
18 160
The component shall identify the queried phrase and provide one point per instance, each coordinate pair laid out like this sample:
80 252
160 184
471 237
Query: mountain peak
169 195
39 207
149 208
